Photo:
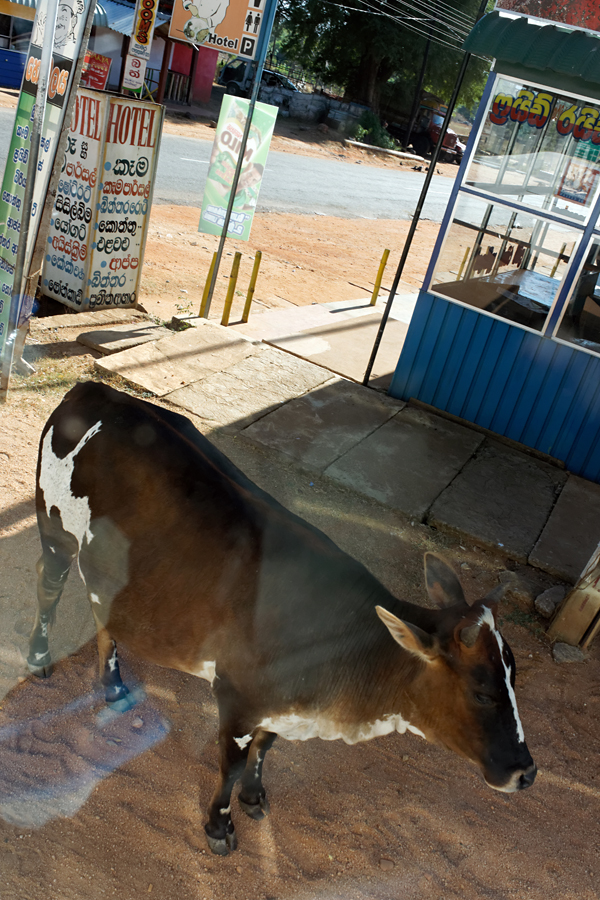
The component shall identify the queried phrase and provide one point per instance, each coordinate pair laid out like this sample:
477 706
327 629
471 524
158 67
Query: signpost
52 60
231 25
140 45
100 218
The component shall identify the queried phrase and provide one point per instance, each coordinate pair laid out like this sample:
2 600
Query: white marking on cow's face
94 598
243 741
304 728
487 618
511 692
207 671
55 481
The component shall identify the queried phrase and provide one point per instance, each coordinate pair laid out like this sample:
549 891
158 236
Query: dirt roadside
94 809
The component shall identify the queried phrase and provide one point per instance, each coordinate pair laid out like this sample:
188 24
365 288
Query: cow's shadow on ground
58 740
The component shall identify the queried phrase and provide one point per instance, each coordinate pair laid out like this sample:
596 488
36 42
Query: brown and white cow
194 567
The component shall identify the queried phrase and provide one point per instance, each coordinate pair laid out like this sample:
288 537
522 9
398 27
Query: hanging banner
223 162
100 218
230 25
140 43
579 13
96 70
70 25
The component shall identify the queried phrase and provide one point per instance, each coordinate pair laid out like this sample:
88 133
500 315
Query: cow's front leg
219 829
252 798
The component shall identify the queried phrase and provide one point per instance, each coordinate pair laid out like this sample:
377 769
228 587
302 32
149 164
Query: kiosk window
540 149
580 323
503 261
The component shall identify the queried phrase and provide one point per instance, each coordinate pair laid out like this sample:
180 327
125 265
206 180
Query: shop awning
530 44
119 16
108 14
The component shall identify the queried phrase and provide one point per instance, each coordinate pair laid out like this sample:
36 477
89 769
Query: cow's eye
484 700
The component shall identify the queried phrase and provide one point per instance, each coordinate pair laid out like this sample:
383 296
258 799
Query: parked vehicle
426 132
238 76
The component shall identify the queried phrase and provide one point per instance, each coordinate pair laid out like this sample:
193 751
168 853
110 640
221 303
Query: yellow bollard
231 289
558 260
382 265
462 265
250 294
207 285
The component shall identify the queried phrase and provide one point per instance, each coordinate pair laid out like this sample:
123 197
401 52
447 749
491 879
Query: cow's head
463 696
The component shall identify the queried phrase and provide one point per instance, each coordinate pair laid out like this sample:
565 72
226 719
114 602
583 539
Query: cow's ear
410 637
442 582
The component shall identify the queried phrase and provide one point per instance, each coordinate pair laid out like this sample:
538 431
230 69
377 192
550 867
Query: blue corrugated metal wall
12 64
529 388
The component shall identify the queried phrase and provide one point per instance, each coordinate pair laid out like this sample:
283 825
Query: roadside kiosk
506 330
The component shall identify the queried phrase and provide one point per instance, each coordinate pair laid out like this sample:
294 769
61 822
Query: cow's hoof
255 810
41 668
222 846
119 698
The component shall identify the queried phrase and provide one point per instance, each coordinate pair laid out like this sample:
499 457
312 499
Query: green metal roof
525 44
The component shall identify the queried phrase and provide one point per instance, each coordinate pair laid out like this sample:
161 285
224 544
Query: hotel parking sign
229 25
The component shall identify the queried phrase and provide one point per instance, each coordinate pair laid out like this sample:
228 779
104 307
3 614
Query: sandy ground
94 807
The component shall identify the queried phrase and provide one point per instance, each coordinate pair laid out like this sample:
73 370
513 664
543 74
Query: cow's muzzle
518 781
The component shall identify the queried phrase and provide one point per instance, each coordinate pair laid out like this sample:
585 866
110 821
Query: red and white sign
96 70
133 75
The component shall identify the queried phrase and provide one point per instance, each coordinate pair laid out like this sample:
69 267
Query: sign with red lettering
579 13
143 30
133 73
229 25
100 219
95 71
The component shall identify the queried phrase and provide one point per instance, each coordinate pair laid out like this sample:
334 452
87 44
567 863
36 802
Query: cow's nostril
527 778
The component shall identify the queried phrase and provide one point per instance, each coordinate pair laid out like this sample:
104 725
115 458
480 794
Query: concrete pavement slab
250 389
501 499
121 337
180 359
345 346
407 462
88 319
324 424
572 532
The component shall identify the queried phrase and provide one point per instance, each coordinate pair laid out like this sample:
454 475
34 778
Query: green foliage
373 57
371 131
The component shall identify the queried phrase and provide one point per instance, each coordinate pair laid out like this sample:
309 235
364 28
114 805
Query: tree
371 56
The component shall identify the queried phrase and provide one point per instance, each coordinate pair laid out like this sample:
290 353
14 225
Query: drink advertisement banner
579 13
229 25
223 162
100 218
70 25
96 71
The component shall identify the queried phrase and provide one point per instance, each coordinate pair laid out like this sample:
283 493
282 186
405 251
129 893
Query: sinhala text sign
100 218
70 25
229 25
223 162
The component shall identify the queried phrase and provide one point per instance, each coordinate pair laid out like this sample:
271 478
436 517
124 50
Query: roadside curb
398 153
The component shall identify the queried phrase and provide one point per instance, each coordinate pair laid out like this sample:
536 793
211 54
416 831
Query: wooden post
382 266
164 71
202 312
250 294
231 289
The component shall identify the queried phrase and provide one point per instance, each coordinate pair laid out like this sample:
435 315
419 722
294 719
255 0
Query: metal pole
421 201
36 133
379 278
251 287
231 289
260 63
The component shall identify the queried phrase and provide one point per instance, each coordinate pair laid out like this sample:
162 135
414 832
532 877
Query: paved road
296 184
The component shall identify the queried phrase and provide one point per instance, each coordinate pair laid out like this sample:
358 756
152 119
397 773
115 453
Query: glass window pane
503 261
581 321
539 148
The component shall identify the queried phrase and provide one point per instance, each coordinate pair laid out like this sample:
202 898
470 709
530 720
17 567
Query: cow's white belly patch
207 670
303 728
55 482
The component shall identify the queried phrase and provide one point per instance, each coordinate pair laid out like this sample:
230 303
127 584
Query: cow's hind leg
115 692
53 570
253 798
